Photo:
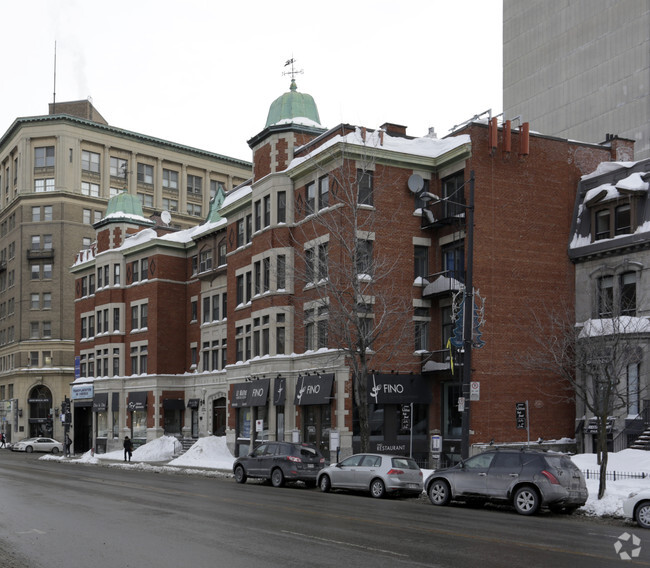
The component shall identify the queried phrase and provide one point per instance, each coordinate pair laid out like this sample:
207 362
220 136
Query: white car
637 507
30 445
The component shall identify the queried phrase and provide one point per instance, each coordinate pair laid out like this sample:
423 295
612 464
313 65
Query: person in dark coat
68 443
128 448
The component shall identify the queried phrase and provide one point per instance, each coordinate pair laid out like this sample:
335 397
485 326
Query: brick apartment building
247 333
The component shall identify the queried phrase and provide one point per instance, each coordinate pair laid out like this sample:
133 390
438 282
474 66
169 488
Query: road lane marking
344 543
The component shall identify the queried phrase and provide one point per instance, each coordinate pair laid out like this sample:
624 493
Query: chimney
394 129
622 149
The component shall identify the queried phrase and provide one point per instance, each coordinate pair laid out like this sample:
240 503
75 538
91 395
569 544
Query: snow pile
625 461
210 452
158 450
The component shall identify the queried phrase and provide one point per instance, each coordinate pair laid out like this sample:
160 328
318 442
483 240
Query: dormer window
612 219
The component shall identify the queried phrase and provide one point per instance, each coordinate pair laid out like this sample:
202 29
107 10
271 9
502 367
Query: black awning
193 403
398 389
137 401
314 389
173 404
258 393
279 391
115 402
100 402
239 395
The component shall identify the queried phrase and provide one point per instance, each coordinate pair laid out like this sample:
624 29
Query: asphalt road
58 515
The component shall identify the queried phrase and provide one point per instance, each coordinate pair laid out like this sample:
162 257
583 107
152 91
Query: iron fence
614 475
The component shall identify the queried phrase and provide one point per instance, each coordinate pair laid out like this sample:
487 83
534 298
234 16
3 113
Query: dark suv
280 462
528 479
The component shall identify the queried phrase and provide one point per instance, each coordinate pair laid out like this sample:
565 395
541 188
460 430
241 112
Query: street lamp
468 307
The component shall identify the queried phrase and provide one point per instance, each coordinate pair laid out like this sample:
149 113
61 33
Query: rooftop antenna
293 71
54 95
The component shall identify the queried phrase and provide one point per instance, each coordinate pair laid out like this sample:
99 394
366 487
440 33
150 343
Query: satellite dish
415 183
166 217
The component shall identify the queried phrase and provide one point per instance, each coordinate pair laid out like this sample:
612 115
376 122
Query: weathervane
293 71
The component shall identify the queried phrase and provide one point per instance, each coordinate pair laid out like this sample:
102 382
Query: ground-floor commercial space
302 400
30 403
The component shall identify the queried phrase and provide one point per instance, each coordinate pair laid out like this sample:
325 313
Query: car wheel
325 484
240 474
55 450
642 514
277 477
29 449
377 488
526 500
439 492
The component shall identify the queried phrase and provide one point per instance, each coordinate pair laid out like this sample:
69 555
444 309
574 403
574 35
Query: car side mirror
338 465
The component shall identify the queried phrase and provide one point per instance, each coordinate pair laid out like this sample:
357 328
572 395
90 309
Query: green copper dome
124 203
292 105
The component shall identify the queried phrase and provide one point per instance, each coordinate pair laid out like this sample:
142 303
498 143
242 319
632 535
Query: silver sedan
377 473
30 445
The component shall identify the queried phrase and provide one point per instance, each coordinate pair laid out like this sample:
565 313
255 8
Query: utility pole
468 321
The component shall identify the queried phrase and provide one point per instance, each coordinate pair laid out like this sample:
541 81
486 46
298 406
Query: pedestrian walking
68 443
128 448
3 440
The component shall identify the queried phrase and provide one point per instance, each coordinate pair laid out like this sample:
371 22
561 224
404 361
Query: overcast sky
204 72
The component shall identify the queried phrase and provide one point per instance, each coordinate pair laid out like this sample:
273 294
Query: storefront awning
254 393
258 392
173 404
314 389
137 401
193 403
279 391
398 389
100 402
239 395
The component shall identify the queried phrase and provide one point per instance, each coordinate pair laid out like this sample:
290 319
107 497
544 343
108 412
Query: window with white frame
42 185
119 167
139 363
194 185
170 179
43 157
170 204
91 189
145 174
90 161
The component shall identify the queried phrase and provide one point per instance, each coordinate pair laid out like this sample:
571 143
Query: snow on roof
237 194
612 326
425 146
130 216
298 120
606 167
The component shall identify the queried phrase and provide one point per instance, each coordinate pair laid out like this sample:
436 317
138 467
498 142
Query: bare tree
357 306
591 359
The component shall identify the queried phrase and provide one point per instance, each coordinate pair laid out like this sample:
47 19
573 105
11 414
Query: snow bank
210 452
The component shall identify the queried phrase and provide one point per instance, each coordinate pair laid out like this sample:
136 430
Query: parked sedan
637 507
528 479
379 474
30 445
280 462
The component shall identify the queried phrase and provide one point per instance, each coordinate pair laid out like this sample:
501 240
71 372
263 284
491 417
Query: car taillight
322 460
294 459
550 477
395 472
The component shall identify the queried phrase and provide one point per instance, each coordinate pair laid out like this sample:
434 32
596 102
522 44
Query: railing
614 475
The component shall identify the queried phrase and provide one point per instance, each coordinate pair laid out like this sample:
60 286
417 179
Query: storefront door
317 423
